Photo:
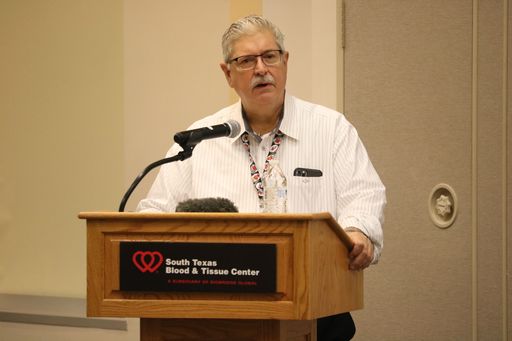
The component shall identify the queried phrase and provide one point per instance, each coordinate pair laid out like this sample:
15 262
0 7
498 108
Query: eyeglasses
269 58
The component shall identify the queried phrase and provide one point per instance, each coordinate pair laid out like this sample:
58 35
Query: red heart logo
147 260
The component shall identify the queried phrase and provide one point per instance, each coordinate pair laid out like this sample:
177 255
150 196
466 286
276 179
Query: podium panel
226 330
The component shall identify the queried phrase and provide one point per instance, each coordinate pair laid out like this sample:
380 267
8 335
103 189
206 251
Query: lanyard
255 174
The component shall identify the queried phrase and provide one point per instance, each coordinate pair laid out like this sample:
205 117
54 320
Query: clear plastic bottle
275 190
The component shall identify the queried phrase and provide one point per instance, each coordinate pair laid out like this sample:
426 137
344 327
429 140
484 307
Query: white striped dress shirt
316 137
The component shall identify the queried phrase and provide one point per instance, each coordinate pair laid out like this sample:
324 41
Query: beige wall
427 85
61 137
493 171
171 76
310 37
92 92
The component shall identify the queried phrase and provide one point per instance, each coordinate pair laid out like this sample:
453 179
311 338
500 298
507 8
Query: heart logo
147 260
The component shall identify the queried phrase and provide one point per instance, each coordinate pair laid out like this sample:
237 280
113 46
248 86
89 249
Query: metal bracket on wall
443 205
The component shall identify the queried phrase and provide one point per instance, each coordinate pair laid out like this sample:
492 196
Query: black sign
202 267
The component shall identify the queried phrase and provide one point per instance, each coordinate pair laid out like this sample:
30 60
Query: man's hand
361 255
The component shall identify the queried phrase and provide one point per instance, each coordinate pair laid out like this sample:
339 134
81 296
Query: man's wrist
355 229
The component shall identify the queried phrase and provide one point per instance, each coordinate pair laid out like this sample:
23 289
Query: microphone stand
183 155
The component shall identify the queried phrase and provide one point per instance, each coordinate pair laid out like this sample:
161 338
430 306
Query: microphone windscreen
207 205
234 126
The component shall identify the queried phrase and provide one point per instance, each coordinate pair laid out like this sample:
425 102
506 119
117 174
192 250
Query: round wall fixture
443 205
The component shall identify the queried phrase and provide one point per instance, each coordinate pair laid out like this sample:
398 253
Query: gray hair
247 26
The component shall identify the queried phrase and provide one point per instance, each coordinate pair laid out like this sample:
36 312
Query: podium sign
197 267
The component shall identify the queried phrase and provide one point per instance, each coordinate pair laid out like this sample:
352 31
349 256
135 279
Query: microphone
189 138
207 205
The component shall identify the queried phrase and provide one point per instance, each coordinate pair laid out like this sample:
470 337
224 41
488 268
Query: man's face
264 84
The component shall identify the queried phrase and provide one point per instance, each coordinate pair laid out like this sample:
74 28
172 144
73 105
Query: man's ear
227 73
286 55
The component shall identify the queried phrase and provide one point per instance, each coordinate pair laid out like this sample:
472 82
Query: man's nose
260 67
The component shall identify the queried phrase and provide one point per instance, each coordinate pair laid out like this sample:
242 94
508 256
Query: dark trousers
339 327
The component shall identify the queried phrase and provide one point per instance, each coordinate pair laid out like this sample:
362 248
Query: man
299 134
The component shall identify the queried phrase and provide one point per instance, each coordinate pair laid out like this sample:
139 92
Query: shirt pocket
305 194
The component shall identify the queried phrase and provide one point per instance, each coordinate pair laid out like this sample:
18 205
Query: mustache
265 79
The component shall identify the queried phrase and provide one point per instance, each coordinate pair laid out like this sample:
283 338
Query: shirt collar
251 132
286 123
289 125
235 113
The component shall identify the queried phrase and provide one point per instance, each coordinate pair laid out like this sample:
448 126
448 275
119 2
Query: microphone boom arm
183 155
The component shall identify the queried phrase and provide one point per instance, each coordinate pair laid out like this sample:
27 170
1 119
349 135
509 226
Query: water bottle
274 189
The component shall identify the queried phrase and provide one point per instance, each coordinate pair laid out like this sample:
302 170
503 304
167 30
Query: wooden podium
312 276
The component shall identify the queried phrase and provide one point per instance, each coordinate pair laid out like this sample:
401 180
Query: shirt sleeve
360 193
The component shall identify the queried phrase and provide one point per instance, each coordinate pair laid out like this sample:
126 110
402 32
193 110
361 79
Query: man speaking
325 164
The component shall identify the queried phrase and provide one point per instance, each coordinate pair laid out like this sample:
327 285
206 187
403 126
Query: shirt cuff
353 222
